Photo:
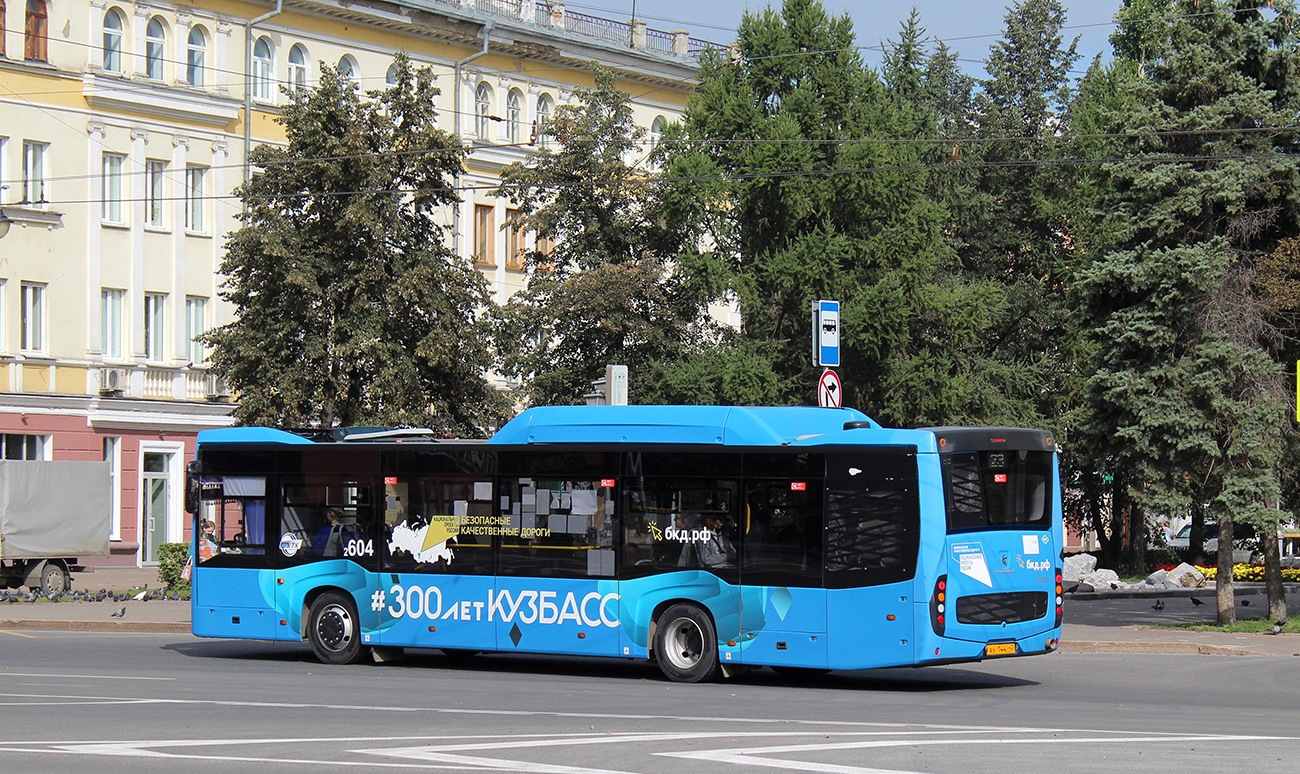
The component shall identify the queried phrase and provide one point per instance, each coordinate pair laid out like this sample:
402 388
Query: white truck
52 515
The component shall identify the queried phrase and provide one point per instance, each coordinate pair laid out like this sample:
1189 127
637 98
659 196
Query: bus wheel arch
684 642
332 627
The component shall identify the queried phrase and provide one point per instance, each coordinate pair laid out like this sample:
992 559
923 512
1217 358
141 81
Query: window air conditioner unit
112 381
217 388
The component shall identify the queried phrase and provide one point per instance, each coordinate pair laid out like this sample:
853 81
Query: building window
543 118
2 28
111 188
23 447
110 322
194 199
34 171
298 67
348 67
482 110
36 33
390 77
32 318
514 240
196 49
155 325
113 456
2 314
155 49
113 41
484 235
263 68
154 172
514 115
195 326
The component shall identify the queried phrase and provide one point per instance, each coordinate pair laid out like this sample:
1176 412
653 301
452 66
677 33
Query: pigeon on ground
140 596
1072 589
1278 626
1159 605
119 614
1196 602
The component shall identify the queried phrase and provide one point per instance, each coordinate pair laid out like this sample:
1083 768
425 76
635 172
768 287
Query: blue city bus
707 539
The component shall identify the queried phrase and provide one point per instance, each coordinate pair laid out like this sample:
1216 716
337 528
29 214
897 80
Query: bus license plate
1000 649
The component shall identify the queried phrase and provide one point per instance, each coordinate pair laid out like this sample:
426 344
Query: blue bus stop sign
826 333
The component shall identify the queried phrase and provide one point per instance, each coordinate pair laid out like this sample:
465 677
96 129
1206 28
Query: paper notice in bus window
584 502
482 490
460 508
1031 543
557 523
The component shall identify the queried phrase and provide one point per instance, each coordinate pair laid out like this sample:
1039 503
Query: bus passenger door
783 607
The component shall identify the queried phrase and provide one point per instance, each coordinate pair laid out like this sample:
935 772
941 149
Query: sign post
829 392
826 333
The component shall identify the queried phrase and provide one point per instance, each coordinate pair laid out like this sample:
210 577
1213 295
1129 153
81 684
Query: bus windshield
985 489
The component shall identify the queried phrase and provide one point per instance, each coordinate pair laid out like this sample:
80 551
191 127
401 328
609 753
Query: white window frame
263 69
544 108
196 54
112 209
41 443
514 115
155 49
114 36
113 456
195 201
31 317
482 110
34 152
155 327
349 68
112 327
196 324
298 66
155 181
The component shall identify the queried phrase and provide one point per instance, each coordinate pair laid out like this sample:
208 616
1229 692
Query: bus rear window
997 488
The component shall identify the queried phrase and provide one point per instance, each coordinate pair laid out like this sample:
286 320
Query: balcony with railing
556 17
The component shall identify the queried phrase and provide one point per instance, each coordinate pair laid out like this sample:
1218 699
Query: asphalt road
81 702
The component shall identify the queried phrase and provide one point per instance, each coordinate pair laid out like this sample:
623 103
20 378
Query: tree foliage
350 310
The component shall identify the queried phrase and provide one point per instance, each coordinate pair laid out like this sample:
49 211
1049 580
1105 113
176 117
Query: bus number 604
359 548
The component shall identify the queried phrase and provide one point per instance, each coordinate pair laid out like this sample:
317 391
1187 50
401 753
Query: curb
1192 648
148 627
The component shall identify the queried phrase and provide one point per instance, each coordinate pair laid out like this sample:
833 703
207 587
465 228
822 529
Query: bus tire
686 645
333 629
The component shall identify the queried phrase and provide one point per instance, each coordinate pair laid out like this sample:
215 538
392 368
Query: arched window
657 127
298 67
482 110
155 49
514 114
543 118
113 41
348 67
390 77
196 50
36 33
263 68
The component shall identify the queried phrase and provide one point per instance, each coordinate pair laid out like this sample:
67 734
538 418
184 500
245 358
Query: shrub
1251 572
171 559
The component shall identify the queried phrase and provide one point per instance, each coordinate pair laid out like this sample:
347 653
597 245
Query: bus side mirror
192 487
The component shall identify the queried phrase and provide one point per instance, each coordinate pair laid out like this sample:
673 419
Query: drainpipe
455 219
248 82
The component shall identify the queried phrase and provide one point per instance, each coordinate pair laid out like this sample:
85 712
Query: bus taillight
1059 609
938 605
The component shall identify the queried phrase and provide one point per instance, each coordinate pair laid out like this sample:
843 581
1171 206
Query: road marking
16 634
71 676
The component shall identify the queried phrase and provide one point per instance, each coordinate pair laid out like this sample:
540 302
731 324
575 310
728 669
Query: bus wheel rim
685 644
334 628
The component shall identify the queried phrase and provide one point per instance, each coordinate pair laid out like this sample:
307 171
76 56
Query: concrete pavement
168 616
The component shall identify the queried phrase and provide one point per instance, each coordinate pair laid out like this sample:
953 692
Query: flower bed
1244 572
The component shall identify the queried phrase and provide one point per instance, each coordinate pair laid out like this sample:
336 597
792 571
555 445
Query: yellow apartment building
123 132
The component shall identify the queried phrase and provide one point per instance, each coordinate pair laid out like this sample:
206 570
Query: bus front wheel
332 629
686 645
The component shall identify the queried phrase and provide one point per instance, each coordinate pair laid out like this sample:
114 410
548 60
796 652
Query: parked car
1245 539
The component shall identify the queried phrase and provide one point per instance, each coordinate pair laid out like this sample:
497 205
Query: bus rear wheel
686 645
332 629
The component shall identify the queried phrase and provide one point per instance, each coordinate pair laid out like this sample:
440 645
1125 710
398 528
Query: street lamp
5 223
